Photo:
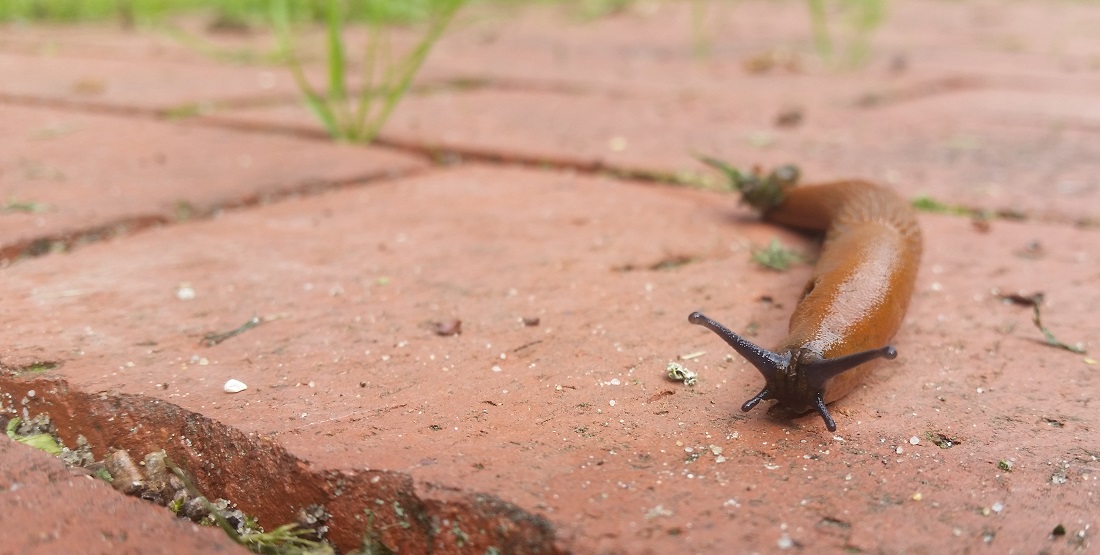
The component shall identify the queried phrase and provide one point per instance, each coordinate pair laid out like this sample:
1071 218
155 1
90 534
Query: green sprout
776 256
359 116
40 441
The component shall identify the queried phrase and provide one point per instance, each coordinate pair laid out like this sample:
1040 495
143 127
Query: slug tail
768 363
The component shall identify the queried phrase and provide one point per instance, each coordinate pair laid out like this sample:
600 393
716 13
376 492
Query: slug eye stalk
797 383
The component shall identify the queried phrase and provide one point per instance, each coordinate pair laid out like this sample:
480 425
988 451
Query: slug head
797 379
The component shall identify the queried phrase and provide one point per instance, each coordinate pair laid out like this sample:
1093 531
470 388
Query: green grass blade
370 69
337 64
318 103
819 28
398 81
322 109
865 16
337 60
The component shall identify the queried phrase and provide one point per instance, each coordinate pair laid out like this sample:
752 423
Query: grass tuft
861 18
359 116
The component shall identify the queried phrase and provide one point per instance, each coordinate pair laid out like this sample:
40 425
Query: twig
1034 301
212 339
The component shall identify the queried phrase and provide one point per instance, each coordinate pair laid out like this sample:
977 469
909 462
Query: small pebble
785 542
449 327
185 292
234 386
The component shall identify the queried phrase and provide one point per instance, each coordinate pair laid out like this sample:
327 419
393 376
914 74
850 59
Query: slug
856 298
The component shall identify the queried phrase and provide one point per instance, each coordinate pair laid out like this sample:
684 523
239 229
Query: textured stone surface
565 434
990 119
574 418
49 509
92 176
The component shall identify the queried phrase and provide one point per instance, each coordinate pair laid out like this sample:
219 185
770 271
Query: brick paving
491 199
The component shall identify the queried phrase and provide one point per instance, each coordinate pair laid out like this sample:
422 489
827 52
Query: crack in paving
443 156
189 111
69 240
65 240
920 91
264 480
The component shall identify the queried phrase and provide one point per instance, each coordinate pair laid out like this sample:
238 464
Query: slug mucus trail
856 298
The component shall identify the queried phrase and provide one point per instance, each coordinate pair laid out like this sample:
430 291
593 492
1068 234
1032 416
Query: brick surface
1028 160
91 174
968 120
48 509
566 436
138 85
574 418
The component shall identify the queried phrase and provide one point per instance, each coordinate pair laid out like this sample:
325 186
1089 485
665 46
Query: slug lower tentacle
856 299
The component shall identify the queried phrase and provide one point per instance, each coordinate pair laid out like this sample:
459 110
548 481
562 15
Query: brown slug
856 298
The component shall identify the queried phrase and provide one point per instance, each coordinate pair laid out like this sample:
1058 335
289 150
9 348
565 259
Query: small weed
862 17
40 367
175 505
776 256
371 543
941 440
595 9
461 537
243 56
184 210
26 207
32 437
403 519
385 78
186 111
929 204
288 539
701 37
1035 301
159 480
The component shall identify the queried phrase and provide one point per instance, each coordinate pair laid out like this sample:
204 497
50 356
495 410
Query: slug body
856 299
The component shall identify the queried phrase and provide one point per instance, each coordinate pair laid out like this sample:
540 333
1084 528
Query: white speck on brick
234 386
